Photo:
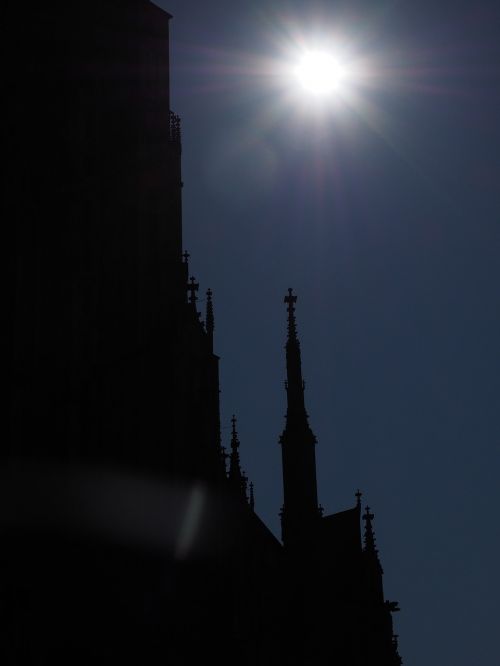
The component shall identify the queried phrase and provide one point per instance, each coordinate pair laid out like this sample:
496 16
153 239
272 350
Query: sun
319 73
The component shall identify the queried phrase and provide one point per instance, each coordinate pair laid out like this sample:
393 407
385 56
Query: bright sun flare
319 72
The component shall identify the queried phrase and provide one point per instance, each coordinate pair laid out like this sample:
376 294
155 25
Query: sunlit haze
319 72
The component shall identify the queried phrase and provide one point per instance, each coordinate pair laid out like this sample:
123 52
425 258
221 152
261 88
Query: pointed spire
294 383
290 300
370 553
252 498
300 511
192 287
209 319
369 535
235 442
236 477
370 548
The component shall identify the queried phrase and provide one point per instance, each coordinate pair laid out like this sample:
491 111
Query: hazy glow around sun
319 72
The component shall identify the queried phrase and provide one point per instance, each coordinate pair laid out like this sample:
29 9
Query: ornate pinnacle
236 476
358 494
234 461
294 382
292 328
369 535
192 287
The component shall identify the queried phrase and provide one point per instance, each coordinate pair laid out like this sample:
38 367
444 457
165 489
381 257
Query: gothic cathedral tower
300 513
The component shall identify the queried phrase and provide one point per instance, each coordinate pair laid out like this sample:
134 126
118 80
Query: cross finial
367 516
358 495
186 256
290 300
192 287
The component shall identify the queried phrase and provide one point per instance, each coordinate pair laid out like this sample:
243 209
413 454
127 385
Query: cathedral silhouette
129 535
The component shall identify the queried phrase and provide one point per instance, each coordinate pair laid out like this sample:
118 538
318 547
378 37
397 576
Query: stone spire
294 384
236 477
300 511
192 288
369 534
370 553
290 300
374 589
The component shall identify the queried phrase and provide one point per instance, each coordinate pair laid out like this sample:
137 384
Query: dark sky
382 212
